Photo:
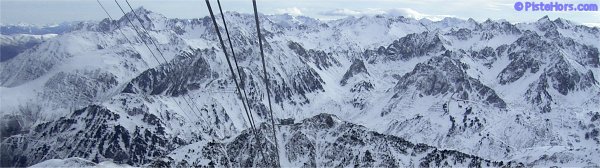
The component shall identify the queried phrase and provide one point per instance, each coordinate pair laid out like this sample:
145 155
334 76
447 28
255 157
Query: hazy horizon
60 11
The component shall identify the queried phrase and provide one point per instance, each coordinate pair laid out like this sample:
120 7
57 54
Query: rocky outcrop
325 140
357 67
443 75
176 78
405 48
93 133
320 59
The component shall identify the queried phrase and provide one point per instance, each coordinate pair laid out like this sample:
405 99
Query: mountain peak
544 19
147 17
471 20
545 23
563 23
143 13
142 10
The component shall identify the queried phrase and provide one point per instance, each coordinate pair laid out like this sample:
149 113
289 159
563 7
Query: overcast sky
43 12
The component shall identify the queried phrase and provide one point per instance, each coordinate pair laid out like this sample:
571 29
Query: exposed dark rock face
93 133
294 89
362 87
538 94
321 59
442 75
176 78
490 29
85 85
530 53
487 55
565 78
410 46
585 54
324 140
357 77
357 67
461 34
525 55
533 54
306 82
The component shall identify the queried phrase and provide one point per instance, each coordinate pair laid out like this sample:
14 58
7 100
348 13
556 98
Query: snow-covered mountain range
13 45
396 92
22 28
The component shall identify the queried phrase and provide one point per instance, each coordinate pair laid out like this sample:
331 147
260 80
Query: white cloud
341 12
291 11
592 24
406 12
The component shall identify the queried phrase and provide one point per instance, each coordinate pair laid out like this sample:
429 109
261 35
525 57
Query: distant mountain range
17 38
10 29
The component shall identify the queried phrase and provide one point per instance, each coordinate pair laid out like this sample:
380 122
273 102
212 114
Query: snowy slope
75 162
12 45
494 90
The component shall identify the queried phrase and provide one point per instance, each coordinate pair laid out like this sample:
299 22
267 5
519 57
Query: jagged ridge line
235 62
266 80
166 62
153 55
254 130
186 116
258 140
229 62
